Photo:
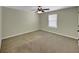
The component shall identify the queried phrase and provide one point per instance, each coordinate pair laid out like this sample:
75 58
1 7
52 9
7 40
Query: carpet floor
39 42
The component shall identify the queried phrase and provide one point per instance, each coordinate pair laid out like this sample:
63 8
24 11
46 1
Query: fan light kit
39 12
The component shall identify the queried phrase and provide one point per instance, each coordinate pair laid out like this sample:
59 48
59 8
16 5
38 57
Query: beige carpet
39 42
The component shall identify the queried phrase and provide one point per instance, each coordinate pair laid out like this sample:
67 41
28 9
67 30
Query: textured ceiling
33 8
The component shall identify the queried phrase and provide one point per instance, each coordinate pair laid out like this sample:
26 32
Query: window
52 21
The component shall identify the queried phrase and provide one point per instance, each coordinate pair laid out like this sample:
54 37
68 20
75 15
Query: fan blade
42 10
46 9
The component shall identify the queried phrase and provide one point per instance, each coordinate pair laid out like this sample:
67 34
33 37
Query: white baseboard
61 34
36 30
18 34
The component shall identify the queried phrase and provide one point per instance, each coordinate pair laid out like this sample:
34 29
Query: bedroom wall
16 22
67 22
0 25
78 16
78 23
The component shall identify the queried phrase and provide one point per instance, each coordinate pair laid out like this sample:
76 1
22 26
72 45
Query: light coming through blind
52 21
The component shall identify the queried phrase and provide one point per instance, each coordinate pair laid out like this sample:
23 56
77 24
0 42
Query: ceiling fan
41 10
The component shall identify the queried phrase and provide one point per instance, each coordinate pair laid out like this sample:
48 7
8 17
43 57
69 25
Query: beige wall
15 22
78 24
0 26
67 22
78 15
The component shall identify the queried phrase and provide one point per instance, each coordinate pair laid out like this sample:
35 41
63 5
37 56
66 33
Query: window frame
56 21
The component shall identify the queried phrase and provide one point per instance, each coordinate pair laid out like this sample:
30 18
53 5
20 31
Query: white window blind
52 21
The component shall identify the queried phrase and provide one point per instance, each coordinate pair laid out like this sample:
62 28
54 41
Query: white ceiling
33 8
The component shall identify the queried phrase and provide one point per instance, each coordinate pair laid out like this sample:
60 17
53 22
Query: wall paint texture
0 26
78 25
16 22
78 16
67 22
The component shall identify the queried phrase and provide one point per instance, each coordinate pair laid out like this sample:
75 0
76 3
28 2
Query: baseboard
61 34
18 34
37 30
